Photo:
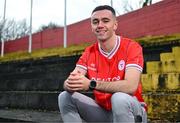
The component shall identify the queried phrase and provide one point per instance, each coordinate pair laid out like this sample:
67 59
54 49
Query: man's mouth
101 31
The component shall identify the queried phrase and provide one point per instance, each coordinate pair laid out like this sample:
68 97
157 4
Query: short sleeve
82 62
135 56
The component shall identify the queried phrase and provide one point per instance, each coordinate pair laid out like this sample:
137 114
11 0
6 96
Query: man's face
103 24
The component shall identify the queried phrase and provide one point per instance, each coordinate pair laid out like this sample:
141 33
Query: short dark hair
104 7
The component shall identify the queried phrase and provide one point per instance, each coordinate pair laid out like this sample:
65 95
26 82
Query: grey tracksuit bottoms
76 107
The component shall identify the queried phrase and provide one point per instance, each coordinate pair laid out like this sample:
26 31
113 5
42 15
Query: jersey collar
113 51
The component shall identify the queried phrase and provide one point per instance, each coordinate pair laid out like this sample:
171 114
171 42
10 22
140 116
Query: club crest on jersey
121 65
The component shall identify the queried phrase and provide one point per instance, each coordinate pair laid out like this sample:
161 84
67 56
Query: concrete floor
7 115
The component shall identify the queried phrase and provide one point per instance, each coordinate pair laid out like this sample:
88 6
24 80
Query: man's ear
115 25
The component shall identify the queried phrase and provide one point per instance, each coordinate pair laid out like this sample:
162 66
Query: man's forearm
116 86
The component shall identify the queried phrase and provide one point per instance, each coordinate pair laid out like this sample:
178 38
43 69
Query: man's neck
109 44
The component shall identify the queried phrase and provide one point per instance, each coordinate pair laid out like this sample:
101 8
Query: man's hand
77 82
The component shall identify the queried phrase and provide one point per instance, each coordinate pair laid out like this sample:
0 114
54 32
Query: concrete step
33 84
153 67
38 65
176 52
167 57
35 75
34 100
171 56
29 100
170 66
161 82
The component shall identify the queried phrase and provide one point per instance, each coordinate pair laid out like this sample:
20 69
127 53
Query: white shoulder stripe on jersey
81 66
135 66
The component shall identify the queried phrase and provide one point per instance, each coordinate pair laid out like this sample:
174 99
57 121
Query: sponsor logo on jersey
92 67
109 79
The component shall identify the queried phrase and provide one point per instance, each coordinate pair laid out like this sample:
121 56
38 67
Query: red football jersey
111 66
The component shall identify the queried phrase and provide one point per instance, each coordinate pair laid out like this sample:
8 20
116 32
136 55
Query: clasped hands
76 82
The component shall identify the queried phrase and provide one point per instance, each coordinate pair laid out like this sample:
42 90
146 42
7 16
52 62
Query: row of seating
161 86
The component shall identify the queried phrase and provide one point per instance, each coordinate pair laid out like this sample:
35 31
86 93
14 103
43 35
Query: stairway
32 85
161 86
29 88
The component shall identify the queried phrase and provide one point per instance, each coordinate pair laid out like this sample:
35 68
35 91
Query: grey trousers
75 107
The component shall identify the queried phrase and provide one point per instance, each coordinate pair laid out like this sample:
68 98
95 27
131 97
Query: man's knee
63 98
63 95
120 100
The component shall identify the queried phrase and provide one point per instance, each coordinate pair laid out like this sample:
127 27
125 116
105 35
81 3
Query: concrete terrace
29 88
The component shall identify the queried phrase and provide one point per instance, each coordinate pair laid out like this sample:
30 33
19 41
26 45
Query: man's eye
105 21
95 22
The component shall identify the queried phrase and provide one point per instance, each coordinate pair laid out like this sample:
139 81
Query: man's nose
100 24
